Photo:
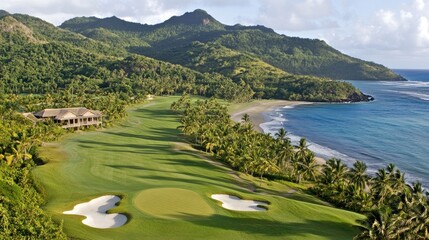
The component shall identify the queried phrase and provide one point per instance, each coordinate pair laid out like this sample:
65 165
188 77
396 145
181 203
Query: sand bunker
237 204
95 212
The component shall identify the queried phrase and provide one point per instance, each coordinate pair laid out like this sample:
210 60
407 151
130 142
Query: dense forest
21 216
394 209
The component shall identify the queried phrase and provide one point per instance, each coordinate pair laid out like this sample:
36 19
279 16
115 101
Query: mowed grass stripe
139 155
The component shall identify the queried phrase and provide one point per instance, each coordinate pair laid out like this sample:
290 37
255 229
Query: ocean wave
421 96
417 84
288 107
276 123
322 151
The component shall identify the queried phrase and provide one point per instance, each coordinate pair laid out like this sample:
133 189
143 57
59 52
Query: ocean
392 129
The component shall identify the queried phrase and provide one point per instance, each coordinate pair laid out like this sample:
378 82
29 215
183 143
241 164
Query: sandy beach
257 109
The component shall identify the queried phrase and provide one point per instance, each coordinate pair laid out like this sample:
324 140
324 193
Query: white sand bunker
95 212
237 204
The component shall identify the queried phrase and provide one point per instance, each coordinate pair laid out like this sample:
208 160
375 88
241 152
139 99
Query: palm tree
379 225
281 135
333 180
334 171
398 181
264 165
413 217
381 186
358 175
302 150
284 155
246 118
308 168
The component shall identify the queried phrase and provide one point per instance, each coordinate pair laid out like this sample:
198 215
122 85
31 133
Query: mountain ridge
3 13
197 17
109 63
295 55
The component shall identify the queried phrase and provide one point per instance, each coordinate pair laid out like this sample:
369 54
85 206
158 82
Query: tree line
394 209
21 215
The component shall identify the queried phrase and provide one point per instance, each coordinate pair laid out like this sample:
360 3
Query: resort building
69 117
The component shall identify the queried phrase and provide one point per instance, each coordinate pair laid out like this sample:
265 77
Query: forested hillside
37 57
178 35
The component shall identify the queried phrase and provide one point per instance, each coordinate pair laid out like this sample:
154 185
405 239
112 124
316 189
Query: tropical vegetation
395 209
21 215
38 58
180 39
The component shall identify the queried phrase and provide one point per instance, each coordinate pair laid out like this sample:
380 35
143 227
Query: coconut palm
308 168
379 225
284 156
281 135
413 218
398 181
334 171
358 176
245 118
381 186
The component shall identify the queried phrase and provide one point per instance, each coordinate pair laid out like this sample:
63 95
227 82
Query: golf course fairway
138 161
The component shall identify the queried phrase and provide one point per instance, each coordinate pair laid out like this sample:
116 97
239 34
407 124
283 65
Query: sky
394 33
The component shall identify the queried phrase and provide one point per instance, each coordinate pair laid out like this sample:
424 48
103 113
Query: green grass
142 154
172 203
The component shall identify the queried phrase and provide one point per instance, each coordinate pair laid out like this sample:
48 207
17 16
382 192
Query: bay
392 129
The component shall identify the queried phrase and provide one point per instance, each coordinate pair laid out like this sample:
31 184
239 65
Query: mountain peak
3 13
11 26
80 24
197 17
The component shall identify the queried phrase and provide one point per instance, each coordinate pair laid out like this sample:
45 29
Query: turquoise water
392 129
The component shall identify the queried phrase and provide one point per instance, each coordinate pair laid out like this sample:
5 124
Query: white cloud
423 32
405 29
144 11
406 15
389 35
388 18
297 15
420 4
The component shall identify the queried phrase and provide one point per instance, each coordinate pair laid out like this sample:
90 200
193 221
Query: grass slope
140 156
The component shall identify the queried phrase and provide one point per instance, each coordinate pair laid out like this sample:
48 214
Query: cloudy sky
394 33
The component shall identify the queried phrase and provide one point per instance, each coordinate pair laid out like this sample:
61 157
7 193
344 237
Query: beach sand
257 109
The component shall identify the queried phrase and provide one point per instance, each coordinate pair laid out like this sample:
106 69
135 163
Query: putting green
172 203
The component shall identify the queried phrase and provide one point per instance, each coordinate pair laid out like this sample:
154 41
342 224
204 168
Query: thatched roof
67 113
31 117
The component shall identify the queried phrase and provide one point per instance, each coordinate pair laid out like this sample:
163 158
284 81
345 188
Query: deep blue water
392 129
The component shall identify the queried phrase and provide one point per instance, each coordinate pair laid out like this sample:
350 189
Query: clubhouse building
69 117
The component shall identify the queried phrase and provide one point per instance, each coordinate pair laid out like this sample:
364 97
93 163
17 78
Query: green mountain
37 57
3 13
178 35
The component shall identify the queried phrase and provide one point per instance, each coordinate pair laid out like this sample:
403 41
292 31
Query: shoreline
257 110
